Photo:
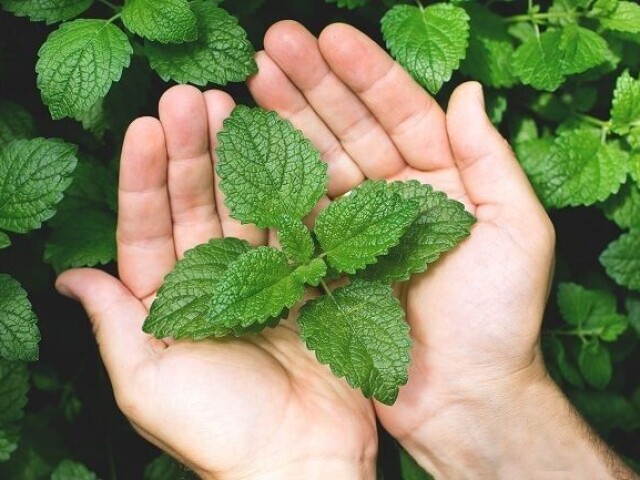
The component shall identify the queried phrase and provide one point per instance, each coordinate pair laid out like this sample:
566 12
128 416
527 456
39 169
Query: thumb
488 167
116 316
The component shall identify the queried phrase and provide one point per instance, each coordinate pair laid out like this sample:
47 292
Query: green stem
594 121
110 5
536 18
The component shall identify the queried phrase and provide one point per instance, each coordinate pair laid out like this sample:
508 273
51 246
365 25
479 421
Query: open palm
475 316
255 407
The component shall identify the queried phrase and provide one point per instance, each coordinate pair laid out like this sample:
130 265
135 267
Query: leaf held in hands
221 54
270 172
183 300
19 334
441 224
429 42
33 174
311 273
621 260
48 11
354 230
625 108
78 63
360 332
295 240
164 21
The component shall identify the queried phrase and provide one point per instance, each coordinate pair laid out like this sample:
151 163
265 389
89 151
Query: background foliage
561 79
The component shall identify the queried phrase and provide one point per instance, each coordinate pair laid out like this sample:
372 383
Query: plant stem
536 17
594 121
115 8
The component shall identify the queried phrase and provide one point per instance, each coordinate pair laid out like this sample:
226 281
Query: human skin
478 403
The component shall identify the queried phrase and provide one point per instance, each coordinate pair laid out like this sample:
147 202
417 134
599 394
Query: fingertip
179 99
283 35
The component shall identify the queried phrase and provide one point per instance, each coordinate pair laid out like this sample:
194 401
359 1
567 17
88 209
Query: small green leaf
183 300
625 108
356 229
5 241
429 42
360 332
581 49
410 469
8 443
15 123
578 304
624 207
70 470
270 172
579 169
259 285
19 334
165 21
488 58
568 370
221 54
625 18
350 4
33 174
621 260
163 467
441 224
14 385
594 361
78 63
538 61
48 11
311 273
295 240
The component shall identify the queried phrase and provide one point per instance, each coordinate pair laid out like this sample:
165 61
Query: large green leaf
360 332
165 21
49 11
621 260
19 334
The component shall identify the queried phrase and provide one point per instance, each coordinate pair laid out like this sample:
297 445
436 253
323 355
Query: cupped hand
255 407
475 316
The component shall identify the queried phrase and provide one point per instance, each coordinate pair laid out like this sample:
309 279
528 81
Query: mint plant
272 177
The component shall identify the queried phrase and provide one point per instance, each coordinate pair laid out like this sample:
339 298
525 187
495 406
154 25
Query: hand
478 403
253 408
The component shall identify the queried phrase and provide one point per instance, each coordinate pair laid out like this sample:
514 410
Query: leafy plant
562 83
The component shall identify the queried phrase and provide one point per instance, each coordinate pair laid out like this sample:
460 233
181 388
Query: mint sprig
272 176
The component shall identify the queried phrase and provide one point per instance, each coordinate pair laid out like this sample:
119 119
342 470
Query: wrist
523 427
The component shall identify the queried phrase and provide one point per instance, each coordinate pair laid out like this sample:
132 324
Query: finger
146 252
411 118
489 169
218 107
183 113
117 317
272 90
295 50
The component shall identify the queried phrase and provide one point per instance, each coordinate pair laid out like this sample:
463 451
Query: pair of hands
262 406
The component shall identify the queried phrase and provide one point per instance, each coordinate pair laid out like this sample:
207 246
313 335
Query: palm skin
262 407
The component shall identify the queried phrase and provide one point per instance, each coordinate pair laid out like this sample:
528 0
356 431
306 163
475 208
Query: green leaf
356 229
606 410
625 108
165 21
82 237
221 54
311 273
621 260
295 240
163 467
360 332
488 58
270 172
429 42
538 61
14 385
624 207
19 334
257 286
183 299
8 443
70 470
15 123
78 63
441 224
568 370
410 469
350 4
625 18
579 169
49 11
594 361
33 175
5 241
581 49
